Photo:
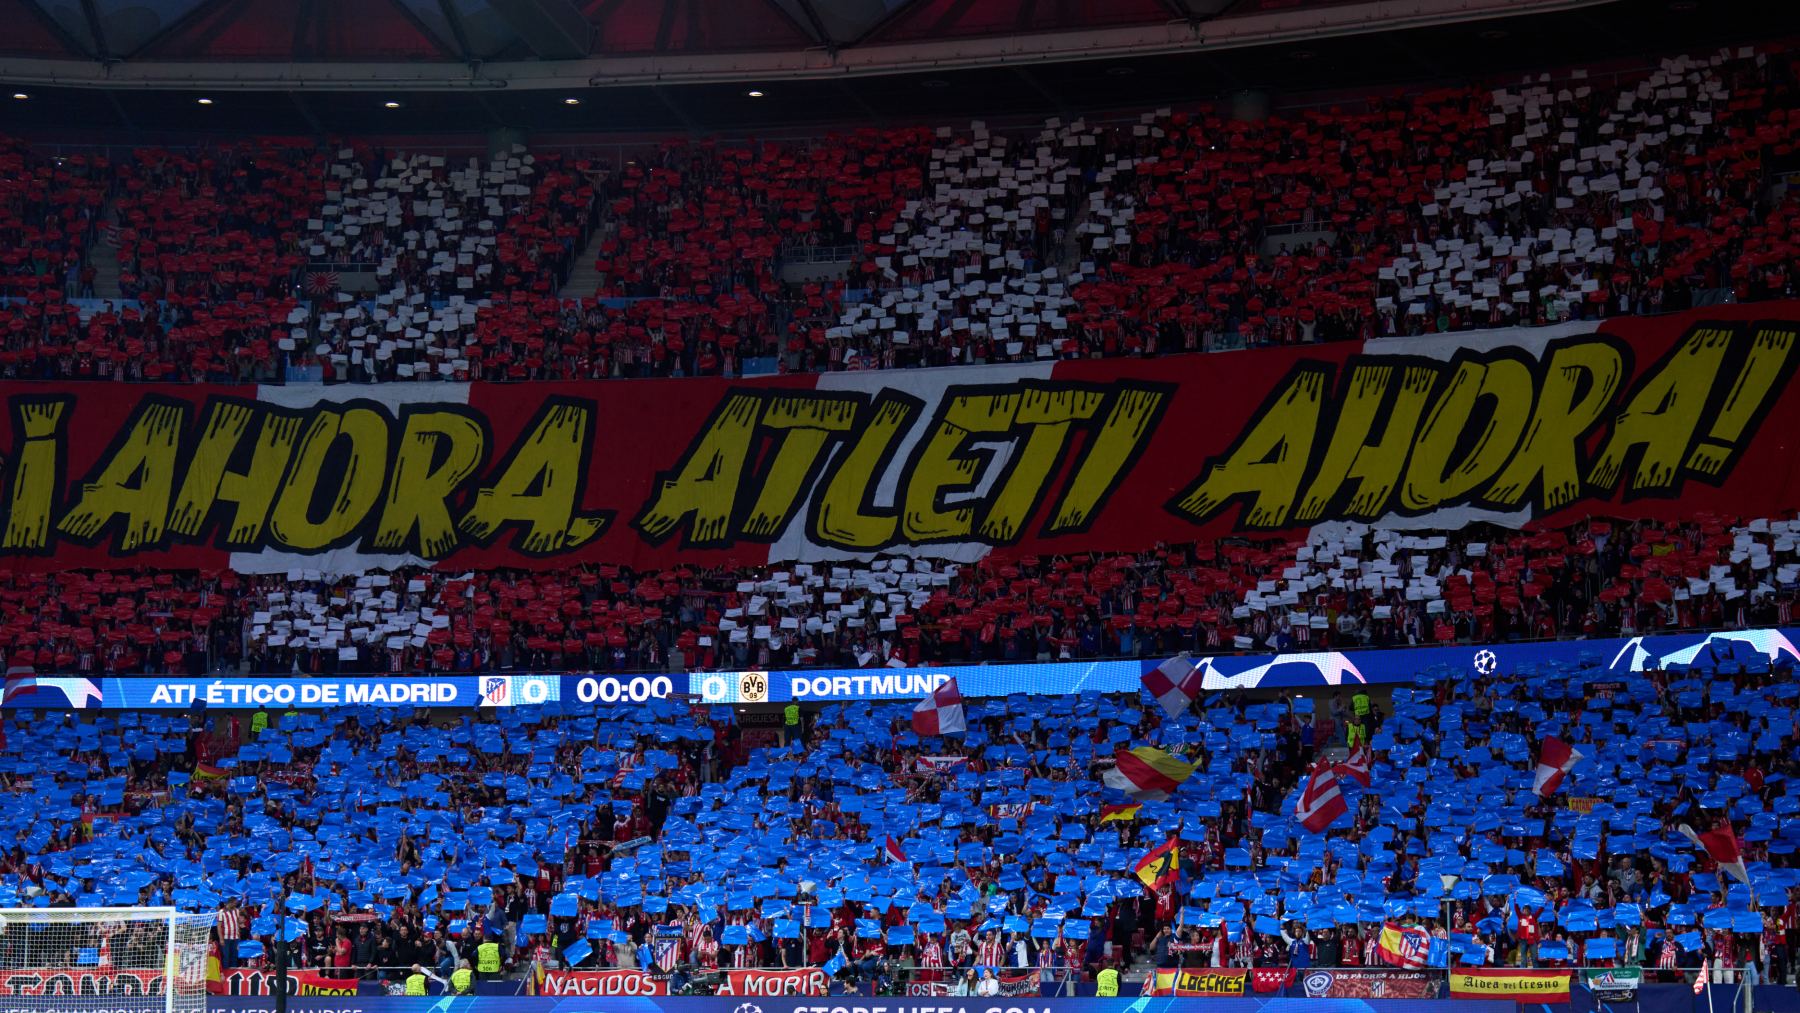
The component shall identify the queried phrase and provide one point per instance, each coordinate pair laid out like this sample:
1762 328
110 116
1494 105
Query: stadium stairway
584 277
103 256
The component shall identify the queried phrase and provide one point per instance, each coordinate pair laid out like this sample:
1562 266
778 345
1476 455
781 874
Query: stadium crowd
1348 586
541 830
1450 209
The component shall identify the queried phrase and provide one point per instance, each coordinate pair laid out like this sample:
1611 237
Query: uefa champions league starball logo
1486 662
747 1007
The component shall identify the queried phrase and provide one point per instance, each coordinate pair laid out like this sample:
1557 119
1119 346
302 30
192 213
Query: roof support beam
175 28
54 27
818 25
553 29
813 29
448 7
885 20
413 19
93 20
1179 9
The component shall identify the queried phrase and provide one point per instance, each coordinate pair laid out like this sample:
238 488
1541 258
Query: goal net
103 960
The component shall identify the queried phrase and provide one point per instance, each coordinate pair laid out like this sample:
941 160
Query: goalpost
118 959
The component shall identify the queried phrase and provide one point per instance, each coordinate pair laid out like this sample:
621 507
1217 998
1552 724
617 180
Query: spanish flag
1161 866
1147 773
207 770
1122 813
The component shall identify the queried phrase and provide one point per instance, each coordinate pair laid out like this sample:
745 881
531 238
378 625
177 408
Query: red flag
1358 765
1174 683
1700 979
941 712
1271 979
1160 867
1555 757
1321 802
1721 845
893 852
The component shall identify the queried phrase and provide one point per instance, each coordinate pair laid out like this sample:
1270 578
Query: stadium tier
1485 585
918 608
1447 210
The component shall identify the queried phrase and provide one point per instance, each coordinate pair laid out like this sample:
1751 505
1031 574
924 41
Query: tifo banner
1340 983
834 1004
1517 984
1249 671
1010 983
79 981
795 981
1171 981
1652 417
612 982
247 981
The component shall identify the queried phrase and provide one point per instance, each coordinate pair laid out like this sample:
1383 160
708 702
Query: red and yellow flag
1161 866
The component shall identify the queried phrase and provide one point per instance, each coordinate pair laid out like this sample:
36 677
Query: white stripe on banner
1532 340
1446 346
928 385
393 397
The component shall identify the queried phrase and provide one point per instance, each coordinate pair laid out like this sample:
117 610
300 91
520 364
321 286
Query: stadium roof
664 36
313 66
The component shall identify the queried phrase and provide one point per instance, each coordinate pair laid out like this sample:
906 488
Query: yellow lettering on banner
844 514
1267 463
209 478
1770 359
133 480
351 491
541 485
705 482
1350 457
809 423
1662 416
1580 382
1109 453
1449 462
438 452
1049 416
943 465
37 475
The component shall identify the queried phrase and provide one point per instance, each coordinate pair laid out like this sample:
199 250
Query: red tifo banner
1651 417
92 981
250 981
613 982
792 981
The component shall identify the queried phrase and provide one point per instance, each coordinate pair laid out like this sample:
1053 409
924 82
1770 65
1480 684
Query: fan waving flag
1122 813
1320 802
892 851
1721 846
1174 683
940 713
1161 866
1403 945
1146 773
1555 758
1357 766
